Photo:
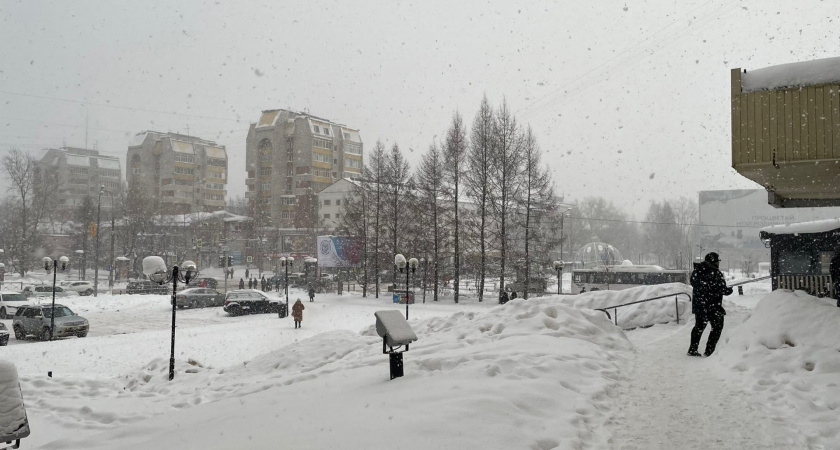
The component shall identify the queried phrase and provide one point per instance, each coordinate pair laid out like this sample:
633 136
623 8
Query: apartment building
332 200
186 174
79 172
290 158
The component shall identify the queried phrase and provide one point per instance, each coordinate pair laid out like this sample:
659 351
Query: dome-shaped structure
595 254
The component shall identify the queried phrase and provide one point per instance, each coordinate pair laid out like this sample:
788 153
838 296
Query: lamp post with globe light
155 268
54 264
401 263
286 263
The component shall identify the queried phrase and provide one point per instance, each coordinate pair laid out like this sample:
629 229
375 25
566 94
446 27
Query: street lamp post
2 270
558 266
110 272
80 256
54 263
425 265
286 263
155 268
400 262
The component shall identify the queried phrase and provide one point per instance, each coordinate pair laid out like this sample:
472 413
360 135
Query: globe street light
80 255
558 266
155 268
54 264
400 262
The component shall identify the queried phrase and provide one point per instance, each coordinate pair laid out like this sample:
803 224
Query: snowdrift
530 374
788 350
639 315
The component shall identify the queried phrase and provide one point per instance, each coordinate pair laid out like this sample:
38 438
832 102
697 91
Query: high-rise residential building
290 158
79 172
186 174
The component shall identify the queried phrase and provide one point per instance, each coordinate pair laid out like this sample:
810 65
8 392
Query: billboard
339 251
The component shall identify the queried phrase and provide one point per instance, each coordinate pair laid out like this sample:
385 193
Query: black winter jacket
709 288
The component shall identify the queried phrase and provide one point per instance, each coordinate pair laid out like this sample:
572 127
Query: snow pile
789 352
641 314
539 372
12 412
806 73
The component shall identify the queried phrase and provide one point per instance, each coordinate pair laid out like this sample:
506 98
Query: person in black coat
241 283
834 271
513 295
504 298
707 305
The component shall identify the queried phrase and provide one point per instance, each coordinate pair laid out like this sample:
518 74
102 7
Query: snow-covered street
530 374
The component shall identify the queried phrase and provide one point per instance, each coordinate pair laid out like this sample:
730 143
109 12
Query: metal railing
615 308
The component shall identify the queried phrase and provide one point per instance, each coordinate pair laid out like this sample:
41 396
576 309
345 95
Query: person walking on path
707 305
247 274
513 295
340 286
311 293
504 298
834 271
297 313
241 283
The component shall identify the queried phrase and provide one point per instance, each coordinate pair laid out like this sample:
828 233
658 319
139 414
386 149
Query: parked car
46 290
4 335
327 277
203 282
252 301
147 287
10 301
199 298
537 285
82 287
35 320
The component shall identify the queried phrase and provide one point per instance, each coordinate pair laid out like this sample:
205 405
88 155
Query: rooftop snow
806 73
109 163
816 226
78 160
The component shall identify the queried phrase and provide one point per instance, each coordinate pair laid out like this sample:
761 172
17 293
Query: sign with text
339 251
403 298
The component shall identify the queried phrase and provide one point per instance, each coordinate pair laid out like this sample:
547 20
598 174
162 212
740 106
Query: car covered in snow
80 287
199 298
252 301
147 287
46 290
10 301
4 335
36 320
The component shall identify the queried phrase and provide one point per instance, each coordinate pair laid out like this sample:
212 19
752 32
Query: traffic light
221 261
230 260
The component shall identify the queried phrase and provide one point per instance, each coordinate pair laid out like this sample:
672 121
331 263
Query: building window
322 143
321 158
184 170
317 130
288 201
327 203
180 157
337 215
321 172
288 186
327 131
326 216
353 163
183 194
285 214
353 148
216 197
338 203
216 162
135 170
216 186
184 182
78 181
346 135
114 173
266 186
78 171
265 170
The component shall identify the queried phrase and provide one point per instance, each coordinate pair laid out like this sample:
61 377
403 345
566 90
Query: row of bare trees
479 205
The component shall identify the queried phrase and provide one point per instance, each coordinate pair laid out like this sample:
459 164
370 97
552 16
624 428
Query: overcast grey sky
629 100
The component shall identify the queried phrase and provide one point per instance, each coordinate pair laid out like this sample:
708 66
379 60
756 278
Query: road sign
198 243
249 259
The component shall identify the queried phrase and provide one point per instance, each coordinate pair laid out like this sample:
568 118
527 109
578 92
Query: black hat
712 257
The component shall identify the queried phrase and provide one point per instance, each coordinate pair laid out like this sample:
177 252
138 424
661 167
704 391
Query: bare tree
30 199
479 170
537 196
455 151
375 174
506 167
83 216
398 179
430 175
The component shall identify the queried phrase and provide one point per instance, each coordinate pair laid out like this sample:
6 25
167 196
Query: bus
616 278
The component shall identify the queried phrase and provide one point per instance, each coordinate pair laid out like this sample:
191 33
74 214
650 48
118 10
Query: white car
10 301
82 287
45 290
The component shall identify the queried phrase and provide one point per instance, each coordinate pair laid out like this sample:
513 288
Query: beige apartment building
186 174
290 158
79 172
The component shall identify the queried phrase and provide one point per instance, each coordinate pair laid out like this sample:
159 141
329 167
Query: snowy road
669 400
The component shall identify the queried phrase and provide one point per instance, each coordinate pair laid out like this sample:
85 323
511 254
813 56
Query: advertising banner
339 251
403 298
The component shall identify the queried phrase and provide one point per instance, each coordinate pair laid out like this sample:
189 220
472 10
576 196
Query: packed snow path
670 400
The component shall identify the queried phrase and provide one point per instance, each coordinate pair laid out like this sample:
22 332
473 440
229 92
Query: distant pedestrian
297 313
250 283
513 295
247 274
834 271
503 298
707 306
311 293
264 284
241 283
340 286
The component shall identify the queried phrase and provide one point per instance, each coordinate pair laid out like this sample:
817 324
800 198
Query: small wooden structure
800 254
786 131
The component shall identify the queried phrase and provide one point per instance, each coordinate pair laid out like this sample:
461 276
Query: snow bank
789 352
639 315
12 412
541 373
